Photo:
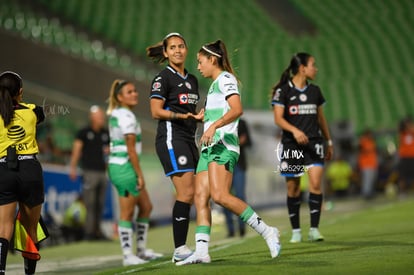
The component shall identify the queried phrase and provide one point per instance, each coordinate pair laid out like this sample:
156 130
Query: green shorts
124 178
219 154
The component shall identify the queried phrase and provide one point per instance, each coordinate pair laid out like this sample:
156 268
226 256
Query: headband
14 74
119 85
173 34
211 52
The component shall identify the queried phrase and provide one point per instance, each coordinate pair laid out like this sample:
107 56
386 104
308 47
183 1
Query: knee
220 199
186 196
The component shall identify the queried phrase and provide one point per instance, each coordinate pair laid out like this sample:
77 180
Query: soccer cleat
133 260
195 259
181 253
149 254
315 235
296 237
273 242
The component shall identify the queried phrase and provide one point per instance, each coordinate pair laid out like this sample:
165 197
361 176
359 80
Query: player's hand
141 183
329 152
208 136
199 116
300 137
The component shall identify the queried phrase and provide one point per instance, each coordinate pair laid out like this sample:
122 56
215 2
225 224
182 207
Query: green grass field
375 237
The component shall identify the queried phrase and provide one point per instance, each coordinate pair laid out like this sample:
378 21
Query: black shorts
177 156
295 159
22 185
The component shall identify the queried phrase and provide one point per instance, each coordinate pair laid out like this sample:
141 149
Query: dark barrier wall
53 69
58 71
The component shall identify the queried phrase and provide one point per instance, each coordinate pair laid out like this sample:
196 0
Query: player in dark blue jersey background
173 99
298 111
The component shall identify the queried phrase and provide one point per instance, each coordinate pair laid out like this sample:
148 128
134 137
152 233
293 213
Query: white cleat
296 237
195 259
315 235
133 260
181 253
273 242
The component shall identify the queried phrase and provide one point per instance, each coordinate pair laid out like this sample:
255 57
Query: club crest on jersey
303 97
183 98
156 86
188 85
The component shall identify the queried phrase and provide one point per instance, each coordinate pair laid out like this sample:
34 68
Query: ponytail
218 50
116 88
6 106
10 86
156 52
297 60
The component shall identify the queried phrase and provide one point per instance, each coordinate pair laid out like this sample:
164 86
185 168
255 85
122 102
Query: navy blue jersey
300 108
180 95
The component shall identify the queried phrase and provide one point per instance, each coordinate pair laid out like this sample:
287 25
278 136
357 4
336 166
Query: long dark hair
218 50
10 85
297 60
156 52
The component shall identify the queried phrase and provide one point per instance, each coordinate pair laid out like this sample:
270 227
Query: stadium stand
363 48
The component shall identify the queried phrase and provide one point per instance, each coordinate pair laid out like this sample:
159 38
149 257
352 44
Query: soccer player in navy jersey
173 100
297 106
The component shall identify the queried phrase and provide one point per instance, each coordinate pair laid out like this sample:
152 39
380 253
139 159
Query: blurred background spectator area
69 51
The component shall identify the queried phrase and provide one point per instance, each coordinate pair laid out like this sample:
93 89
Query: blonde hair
113 102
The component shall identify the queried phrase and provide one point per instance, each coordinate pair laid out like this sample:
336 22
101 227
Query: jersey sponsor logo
16 132
292 98
156 86
230 87
180 219
303 109
158 78
187 98
180 85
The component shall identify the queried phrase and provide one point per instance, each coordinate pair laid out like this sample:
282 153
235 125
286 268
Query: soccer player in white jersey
126 174
298 111
219 154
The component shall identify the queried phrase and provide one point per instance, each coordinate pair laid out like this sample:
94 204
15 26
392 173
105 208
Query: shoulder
226 79
314 87
38 110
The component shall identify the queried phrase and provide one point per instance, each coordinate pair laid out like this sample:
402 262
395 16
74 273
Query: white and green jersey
222 87
122 122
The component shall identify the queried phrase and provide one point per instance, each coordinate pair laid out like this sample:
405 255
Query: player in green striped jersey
219 154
